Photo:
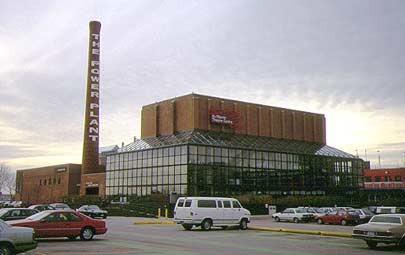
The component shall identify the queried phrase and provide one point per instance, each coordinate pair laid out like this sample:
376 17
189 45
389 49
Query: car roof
207 198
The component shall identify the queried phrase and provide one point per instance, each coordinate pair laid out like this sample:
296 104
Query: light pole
404 158
379 159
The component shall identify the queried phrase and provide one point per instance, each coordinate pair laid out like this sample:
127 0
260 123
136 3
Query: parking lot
125 238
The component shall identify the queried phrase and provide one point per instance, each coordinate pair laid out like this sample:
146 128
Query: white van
210 211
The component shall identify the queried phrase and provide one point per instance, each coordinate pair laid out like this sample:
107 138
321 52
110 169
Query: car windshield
39 215
61 206
367 211
94 207
386 219
3 211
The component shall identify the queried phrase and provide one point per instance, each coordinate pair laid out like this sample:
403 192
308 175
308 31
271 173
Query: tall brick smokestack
91 137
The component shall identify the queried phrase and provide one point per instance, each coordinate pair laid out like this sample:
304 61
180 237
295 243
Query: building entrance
92 191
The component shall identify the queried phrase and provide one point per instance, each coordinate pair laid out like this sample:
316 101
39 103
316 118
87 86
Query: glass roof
200 137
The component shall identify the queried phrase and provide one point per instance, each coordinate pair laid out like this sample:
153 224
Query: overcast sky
345 59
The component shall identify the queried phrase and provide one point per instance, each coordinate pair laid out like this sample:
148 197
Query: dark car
16 213
93 211
42 207
63 223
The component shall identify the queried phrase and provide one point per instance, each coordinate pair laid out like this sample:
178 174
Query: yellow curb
302 231
153 222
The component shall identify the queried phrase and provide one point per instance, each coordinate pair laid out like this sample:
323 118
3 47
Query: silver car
15 240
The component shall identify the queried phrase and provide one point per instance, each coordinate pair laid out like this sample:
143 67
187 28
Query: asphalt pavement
124 238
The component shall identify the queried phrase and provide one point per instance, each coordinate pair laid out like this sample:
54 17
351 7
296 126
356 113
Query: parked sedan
15 240
339 217
364 214
62 223
293 214
93 211
7 214
383 228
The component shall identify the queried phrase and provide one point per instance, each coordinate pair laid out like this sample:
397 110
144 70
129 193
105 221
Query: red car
339 217
62 223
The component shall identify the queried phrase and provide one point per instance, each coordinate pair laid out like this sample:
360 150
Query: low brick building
387 178
48 184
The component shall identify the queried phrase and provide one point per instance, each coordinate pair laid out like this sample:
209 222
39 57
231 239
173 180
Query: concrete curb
153 222
302 231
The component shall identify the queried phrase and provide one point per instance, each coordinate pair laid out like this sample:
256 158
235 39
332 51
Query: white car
210 211
15 240
293 214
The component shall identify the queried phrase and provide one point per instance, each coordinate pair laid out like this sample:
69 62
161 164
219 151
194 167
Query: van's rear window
180 203
207 203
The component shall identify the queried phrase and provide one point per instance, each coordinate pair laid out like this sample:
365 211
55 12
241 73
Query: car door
237 212
15 215
52 225
286 214
220 213
227 211
73 224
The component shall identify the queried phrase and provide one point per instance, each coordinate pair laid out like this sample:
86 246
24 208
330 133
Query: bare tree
7 179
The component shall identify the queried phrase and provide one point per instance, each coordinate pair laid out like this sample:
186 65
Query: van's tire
343 222
6 249
277 219
206 224
87 234
296 220
371 244
319 221
187 226
243 225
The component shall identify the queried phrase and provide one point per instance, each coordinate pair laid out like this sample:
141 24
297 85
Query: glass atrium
206 163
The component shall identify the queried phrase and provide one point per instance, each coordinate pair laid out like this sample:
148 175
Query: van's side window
235 204
227 204
188 203
207 203
180 203
219 204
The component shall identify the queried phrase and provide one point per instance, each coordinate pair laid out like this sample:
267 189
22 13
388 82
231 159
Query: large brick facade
195 112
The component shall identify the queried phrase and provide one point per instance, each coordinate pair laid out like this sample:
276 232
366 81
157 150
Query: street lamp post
379 159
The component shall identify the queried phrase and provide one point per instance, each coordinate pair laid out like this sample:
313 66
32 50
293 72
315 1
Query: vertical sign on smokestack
91 137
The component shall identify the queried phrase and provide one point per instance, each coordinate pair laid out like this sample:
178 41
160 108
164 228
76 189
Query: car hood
374 227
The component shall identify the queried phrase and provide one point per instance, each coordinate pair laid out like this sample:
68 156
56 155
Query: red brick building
388 178
48 184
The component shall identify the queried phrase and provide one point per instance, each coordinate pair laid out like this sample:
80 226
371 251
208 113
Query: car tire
243 225
343 222
371 244
319 221
296 220
187 226
87 234
206 224
6 249
277 219
72 238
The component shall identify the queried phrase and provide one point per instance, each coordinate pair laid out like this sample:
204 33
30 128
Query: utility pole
379 159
